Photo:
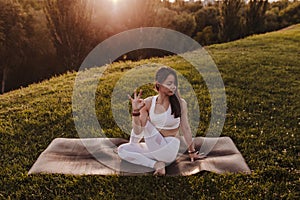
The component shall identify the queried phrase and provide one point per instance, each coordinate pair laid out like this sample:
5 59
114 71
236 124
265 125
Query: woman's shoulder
183 101
183 104
148 101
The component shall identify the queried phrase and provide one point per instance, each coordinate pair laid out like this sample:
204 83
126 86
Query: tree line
40 39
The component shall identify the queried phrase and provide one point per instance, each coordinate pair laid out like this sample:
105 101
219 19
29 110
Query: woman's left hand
196 156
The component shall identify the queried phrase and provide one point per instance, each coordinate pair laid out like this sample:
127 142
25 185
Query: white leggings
155 148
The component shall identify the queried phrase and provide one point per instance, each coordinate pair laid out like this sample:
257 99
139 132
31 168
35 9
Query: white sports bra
163 120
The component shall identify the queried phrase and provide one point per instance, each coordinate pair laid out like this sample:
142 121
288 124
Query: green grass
261 76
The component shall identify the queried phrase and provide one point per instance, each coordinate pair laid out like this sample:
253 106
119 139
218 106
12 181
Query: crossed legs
155 152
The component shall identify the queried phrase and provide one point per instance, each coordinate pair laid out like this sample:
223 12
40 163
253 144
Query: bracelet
135 114
192 152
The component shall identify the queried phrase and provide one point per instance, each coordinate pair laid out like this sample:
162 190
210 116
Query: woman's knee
125 149
172 156
122 150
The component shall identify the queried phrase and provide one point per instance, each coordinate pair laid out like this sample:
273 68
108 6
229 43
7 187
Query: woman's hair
161 76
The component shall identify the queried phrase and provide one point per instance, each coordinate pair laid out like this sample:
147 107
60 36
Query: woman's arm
140 109
187 133
185 127
138 122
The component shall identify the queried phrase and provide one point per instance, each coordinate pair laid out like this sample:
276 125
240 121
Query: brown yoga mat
99 156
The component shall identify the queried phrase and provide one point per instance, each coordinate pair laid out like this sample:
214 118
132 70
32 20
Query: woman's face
168 86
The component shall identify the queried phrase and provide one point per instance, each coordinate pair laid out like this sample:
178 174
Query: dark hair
160 77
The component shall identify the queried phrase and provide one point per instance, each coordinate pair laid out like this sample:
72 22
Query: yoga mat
98 156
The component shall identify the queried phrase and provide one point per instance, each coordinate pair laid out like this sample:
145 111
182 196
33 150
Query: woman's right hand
137 102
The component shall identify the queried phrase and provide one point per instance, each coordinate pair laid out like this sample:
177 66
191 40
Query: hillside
261 76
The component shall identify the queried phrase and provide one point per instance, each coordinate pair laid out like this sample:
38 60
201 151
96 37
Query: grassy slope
261 75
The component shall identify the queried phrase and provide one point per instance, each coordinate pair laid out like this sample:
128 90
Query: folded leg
135 153
156 147
161 148
134 138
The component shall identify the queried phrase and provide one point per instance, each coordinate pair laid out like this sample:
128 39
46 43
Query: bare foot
159 168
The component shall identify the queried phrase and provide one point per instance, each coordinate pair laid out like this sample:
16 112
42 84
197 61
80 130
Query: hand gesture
137 102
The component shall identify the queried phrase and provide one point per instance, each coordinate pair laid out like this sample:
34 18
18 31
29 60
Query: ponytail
175 105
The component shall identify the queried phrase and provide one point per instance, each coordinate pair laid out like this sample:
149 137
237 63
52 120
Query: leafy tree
290 14
166 4
184 23
271 20
282 4
165 17
13 38
255 16
230 23
207 18
142 13
193 7
41 61
179 3
205 36
70 25
281 14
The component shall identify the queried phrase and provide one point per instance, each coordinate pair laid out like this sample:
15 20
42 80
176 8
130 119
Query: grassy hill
261 76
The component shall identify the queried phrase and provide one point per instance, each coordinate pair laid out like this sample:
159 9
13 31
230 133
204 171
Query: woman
158 119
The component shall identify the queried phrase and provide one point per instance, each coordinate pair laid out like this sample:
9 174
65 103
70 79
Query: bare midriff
169 132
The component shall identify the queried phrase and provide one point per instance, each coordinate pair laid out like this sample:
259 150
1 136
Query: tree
184 23
290 14
207 18
143 13
230 23
205 36
13 38
271 20
179 3
70 25
164 17
255 16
